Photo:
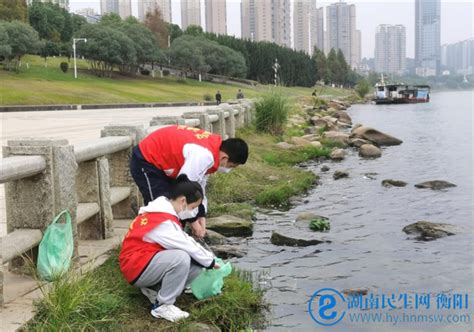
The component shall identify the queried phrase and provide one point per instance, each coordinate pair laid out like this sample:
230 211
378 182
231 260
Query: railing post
33 202
219 126
119 169
230 120
203 119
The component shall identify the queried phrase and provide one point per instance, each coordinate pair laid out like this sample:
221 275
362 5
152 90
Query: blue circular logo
326 306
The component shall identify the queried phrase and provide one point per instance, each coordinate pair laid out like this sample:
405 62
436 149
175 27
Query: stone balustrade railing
92 180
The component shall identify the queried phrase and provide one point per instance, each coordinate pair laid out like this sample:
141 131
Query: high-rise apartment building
427 37
301 25
316 27
342 33
458 58
190 13
390 49
121 7
216 19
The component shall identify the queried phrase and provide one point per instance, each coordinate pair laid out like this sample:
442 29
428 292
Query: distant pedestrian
240 94
218 97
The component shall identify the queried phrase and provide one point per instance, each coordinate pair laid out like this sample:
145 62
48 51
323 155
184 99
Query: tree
321 66
11 10
52 22
106 48
174 31
144 43
154 21
20 39
194 30
362 88
111 19
342 69
47 49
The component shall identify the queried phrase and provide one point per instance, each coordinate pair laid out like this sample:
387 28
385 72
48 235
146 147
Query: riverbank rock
337 154
325 168
393 183
435 185
294 240
358 142
357 125
230 225
310 137
371 176
214 238
298 141
427 231
340 174
343 117
337 136
226 251
369 151
376 136
285 145
308 216
316 144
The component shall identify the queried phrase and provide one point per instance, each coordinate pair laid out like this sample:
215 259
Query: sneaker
188 290
151 294
168 312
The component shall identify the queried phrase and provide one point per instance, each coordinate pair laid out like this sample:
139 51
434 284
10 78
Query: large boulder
337 154
230 225
375 136
427 231
295 239
214 238
285 145
310 137
337 136
298 141
226 251
393 183
340 175
435 185
358 142
343 117
325 168
369 151
354 127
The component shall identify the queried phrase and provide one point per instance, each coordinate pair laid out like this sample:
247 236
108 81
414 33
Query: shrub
319 225
362 88
207 97
64 66
166 72
272 113
145 72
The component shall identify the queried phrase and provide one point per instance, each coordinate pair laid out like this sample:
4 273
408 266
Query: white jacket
171 236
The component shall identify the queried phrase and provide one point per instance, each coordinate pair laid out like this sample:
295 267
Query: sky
456 18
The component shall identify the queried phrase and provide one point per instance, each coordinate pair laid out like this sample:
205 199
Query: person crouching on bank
156 252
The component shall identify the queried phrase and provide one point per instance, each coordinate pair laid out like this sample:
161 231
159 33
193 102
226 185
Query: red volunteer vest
136 253
164 147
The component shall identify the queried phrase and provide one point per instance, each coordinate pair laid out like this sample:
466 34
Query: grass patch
271 113
39 85
102 300
267 179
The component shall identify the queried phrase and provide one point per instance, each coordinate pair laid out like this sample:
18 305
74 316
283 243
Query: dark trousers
151 181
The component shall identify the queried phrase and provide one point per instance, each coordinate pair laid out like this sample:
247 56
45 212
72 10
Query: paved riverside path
76 126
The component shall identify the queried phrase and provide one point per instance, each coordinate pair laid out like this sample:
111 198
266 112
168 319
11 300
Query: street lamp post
74 40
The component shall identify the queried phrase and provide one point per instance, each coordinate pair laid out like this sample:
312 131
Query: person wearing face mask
174 150
156 252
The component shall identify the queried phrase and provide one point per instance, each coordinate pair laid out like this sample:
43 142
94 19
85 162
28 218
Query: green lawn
39 85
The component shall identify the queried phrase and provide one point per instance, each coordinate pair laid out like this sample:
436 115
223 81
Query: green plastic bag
209 282
56 248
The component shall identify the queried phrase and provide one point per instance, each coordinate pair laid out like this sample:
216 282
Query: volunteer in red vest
174 150
157 253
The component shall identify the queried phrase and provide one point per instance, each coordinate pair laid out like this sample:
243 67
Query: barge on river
401 93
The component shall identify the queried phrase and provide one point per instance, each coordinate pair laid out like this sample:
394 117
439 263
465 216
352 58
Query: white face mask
221 169
187 214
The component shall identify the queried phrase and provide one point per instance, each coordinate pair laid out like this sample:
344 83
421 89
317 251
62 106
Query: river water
368 248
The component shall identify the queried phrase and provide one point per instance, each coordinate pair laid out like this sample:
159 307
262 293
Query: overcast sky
456 18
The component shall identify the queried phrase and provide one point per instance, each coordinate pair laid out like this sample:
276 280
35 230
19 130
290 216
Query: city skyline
456 19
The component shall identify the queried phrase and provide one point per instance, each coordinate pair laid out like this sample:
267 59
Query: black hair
236 149
191 190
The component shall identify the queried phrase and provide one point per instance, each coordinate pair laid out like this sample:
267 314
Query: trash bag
56 248
209 282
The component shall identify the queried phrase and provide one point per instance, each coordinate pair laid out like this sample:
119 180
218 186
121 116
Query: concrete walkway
20 291
76 126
